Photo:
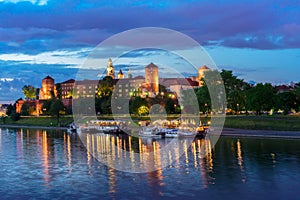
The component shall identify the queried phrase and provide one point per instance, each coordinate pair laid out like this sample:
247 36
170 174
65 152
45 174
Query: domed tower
120 74
151 77
110 71
201 74
48 86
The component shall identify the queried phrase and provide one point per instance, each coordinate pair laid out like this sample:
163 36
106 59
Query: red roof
48 77
151 65
69 81
204 67
167 82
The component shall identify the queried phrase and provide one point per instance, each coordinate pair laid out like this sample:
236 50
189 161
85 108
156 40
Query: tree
143 110
24 109
297 94
171 105
105 88
10 109
235 91
15 116
59 90
56 107
261 97
29 92
46 107
203 98
286 101
135 103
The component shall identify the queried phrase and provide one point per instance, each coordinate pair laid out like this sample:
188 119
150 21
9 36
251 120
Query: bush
15 116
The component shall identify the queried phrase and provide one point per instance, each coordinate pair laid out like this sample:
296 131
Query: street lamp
206 107
237 108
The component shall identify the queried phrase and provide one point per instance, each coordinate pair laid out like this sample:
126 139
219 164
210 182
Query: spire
110 71
120 74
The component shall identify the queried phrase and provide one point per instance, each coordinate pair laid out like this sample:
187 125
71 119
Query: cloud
89 22
60 57
36 2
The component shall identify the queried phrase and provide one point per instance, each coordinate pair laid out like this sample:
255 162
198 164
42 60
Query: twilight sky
258 40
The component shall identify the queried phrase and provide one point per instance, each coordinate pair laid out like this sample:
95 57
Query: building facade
48 88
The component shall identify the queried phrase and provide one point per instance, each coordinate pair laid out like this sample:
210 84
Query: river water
40 164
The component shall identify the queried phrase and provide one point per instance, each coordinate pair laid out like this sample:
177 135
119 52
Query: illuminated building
201 74
47 88
120 74
110 71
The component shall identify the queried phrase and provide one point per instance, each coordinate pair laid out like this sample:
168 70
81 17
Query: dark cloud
87 23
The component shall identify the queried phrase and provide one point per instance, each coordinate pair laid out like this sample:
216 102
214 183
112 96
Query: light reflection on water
53 164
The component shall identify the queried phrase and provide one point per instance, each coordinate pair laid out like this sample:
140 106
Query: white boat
150 131
186 133
104 126
71 129
170 132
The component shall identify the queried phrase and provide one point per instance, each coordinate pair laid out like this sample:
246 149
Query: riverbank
32 127
277 126
234 132
231 132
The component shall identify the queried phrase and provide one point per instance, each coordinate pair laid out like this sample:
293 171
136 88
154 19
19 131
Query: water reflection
114 147
55 162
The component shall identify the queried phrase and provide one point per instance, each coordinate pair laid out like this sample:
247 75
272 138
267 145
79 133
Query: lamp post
206 108
237 108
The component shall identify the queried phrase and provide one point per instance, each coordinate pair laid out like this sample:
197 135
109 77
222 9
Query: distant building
67 88
120 74
36 106
201 74
176 85
151 78
128 87
3 108
85 88
47 88
283 88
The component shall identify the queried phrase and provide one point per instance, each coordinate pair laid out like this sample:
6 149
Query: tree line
244 97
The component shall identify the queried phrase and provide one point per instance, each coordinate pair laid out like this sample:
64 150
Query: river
49 164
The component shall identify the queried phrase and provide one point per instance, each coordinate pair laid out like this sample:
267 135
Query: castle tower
110 71
201 74
151 77
48 86
120 74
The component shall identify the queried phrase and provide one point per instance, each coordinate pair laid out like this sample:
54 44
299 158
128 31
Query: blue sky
258 40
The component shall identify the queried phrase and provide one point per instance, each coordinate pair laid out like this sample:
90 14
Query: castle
125 87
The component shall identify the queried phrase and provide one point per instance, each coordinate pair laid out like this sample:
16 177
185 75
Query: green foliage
203 98
14 116
29 92
103 95
143 110
286 101
46 107
261 97
59 90
171 106
56 107
135 103
105 88
105 105
24 109
235 91
10 109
